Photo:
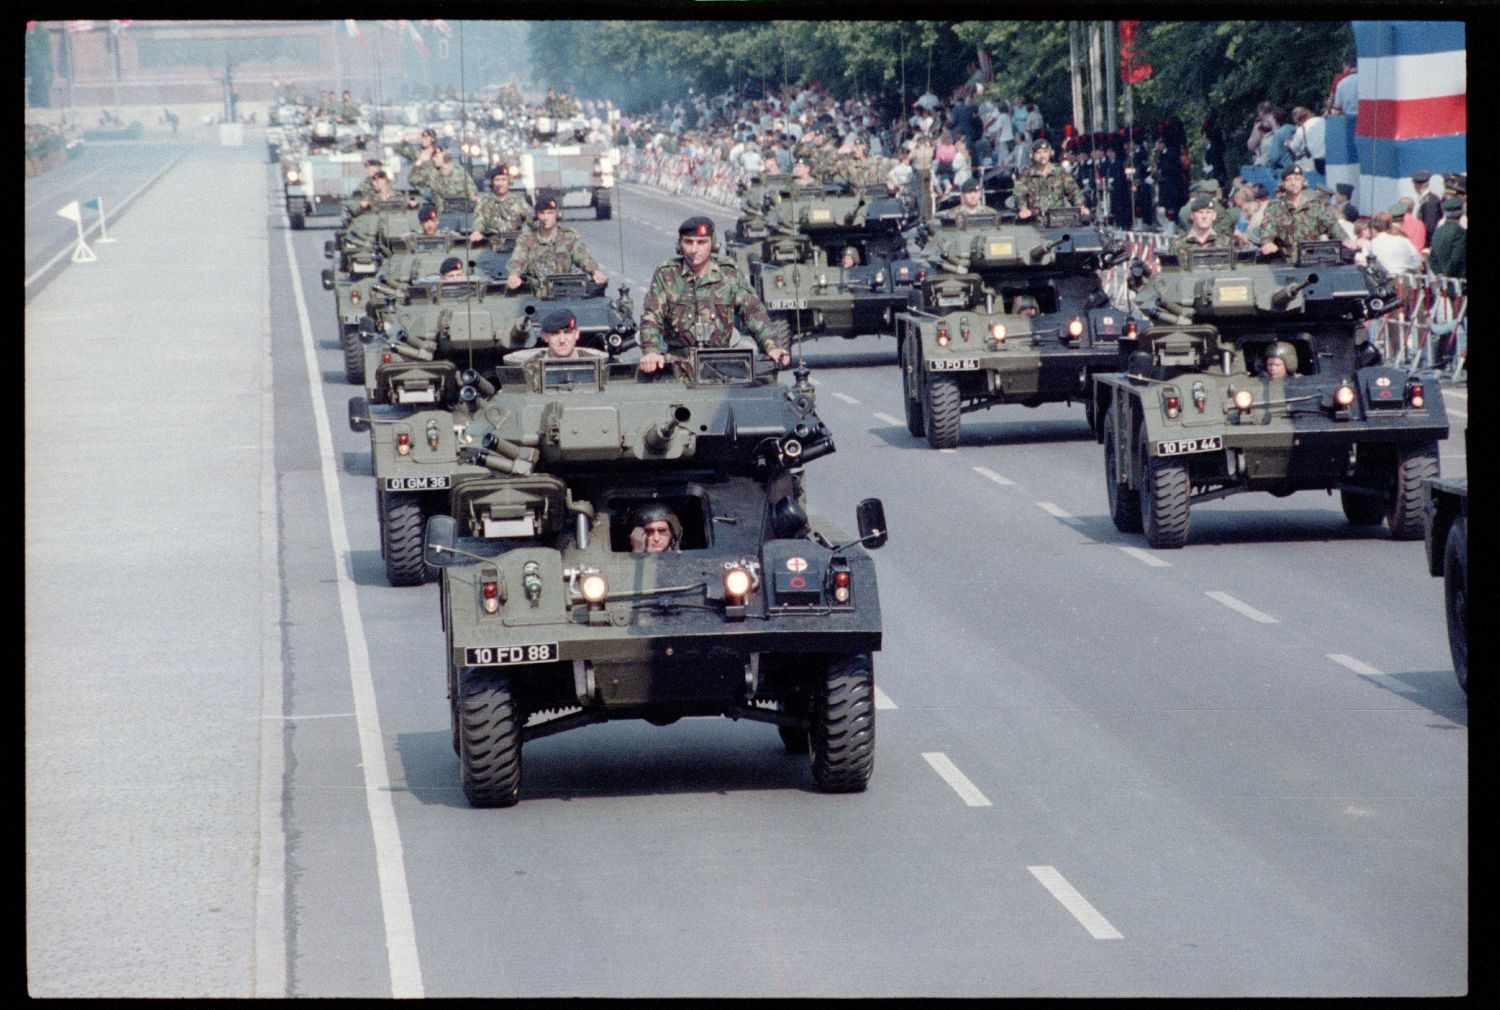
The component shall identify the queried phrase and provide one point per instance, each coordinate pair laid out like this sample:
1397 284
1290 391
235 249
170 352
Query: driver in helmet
656 529
1279 361
1024 305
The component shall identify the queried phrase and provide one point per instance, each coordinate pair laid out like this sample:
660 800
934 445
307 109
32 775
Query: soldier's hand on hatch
512 282
651 362
1267 248
1023 213
476 235
781 356
600 277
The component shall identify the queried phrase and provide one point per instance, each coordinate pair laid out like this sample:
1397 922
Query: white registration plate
436 482
510 655
953 364
786 304
1183 445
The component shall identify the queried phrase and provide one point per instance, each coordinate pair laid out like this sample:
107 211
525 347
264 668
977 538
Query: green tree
38 58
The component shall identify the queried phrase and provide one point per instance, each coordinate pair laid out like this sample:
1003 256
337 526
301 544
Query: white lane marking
1462 394
270 870
955 778
1067 895
1366 670
1146 557
950 452
1241 607
1055 512
845 397
989 474
390 866
67 250
297 718
883 702
888 419
1458 413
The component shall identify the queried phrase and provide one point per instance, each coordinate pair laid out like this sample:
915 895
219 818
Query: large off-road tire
940 407
1124 504
843 725
298 221
911 387
354 354
1362 509
401 540
1456 598
602 207
1404 514
1164 500
453 706
489 755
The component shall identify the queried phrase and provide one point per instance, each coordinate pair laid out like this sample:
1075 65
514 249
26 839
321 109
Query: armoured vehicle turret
798 265
1007 313
1199 412
556 616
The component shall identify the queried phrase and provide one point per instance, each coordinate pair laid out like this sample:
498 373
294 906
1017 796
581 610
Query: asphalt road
1239 768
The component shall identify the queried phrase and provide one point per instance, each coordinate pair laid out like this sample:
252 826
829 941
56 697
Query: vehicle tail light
489 592
1130 331
841 585
963 328
1200 398
942 336
385 357
403 444
1172 407
1414 394
354 295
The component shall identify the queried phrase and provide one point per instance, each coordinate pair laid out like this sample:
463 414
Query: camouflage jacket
1286 223
349 112
681 310
1223 220
510 212
1185 243
1046 190
565 253
456 183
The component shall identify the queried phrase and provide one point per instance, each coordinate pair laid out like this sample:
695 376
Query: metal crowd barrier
1430 329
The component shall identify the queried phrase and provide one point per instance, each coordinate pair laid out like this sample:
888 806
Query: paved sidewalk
145 402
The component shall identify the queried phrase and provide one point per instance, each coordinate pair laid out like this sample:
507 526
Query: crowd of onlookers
46 146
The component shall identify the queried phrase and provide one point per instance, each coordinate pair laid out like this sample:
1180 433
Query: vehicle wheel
298 222
354 355
489 755
453 719
602 207
1089 414
843 725
911 389
1405 515
1456 598
1164 500
1362 509
941 411
795 738
401 536
1124 504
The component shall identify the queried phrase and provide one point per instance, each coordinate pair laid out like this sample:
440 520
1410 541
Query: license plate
786 304
953 364
362 268
433 483
1182 445
510 655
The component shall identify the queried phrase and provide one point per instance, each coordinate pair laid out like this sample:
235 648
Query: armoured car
322 172
1007 313
555 617
1196 414
582 175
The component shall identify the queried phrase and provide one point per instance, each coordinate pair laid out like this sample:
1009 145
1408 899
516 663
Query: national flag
1132 69
91 204
70 211
416 37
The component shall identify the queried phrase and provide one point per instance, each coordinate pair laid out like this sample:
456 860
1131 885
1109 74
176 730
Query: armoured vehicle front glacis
325 169
579 174
554 619
1008 313
798 267
1197 413
440 328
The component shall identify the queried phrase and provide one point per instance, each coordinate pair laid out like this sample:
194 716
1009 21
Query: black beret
1202 203
1421 175
451 263
546 202
499 169
374 163
1345 189
558 320
1293 170
698 225
428 213
1042 144
970 185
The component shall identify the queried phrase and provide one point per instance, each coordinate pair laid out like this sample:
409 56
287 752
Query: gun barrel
1281 297
658 437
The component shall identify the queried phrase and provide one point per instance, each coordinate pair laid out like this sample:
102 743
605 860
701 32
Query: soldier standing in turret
550 249
1296 216
499 209
444 180
1044 186
1203 234
693 300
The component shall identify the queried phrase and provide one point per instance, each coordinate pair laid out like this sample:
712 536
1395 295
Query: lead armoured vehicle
555 619
1195 415
1009 313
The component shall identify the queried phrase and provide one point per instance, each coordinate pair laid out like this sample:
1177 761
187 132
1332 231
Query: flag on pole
90 204
71 212
416 38
1133 70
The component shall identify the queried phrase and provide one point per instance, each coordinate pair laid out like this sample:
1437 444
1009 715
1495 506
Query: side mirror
328 279
359 414
437 542
366 330
870 515
328 249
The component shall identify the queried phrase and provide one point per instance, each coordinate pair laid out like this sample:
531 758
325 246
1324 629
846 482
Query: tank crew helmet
658 512
698 225
1023 302
558 320
450 264
1286 352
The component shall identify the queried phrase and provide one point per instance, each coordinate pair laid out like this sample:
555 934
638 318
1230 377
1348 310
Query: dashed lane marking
989 474
1068 896
888 419
847 399
1056 512
1366 670
1146 557
1241 607
882 701
950 774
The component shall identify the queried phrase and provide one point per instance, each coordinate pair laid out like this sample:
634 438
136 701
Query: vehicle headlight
1075 328
1344 395
1243 399
997 332
593 587
292 176
738 581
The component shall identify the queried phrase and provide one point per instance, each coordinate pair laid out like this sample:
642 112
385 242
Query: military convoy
1007 313
322 170
555 618
581 175
1192 417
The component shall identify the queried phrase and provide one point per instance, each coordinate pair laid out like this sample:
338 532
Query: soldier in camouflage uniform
365 191
1203 234
1043 186
500 209
445 180
693 300
380 192
1295 216
550 249
1223 221
348 109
